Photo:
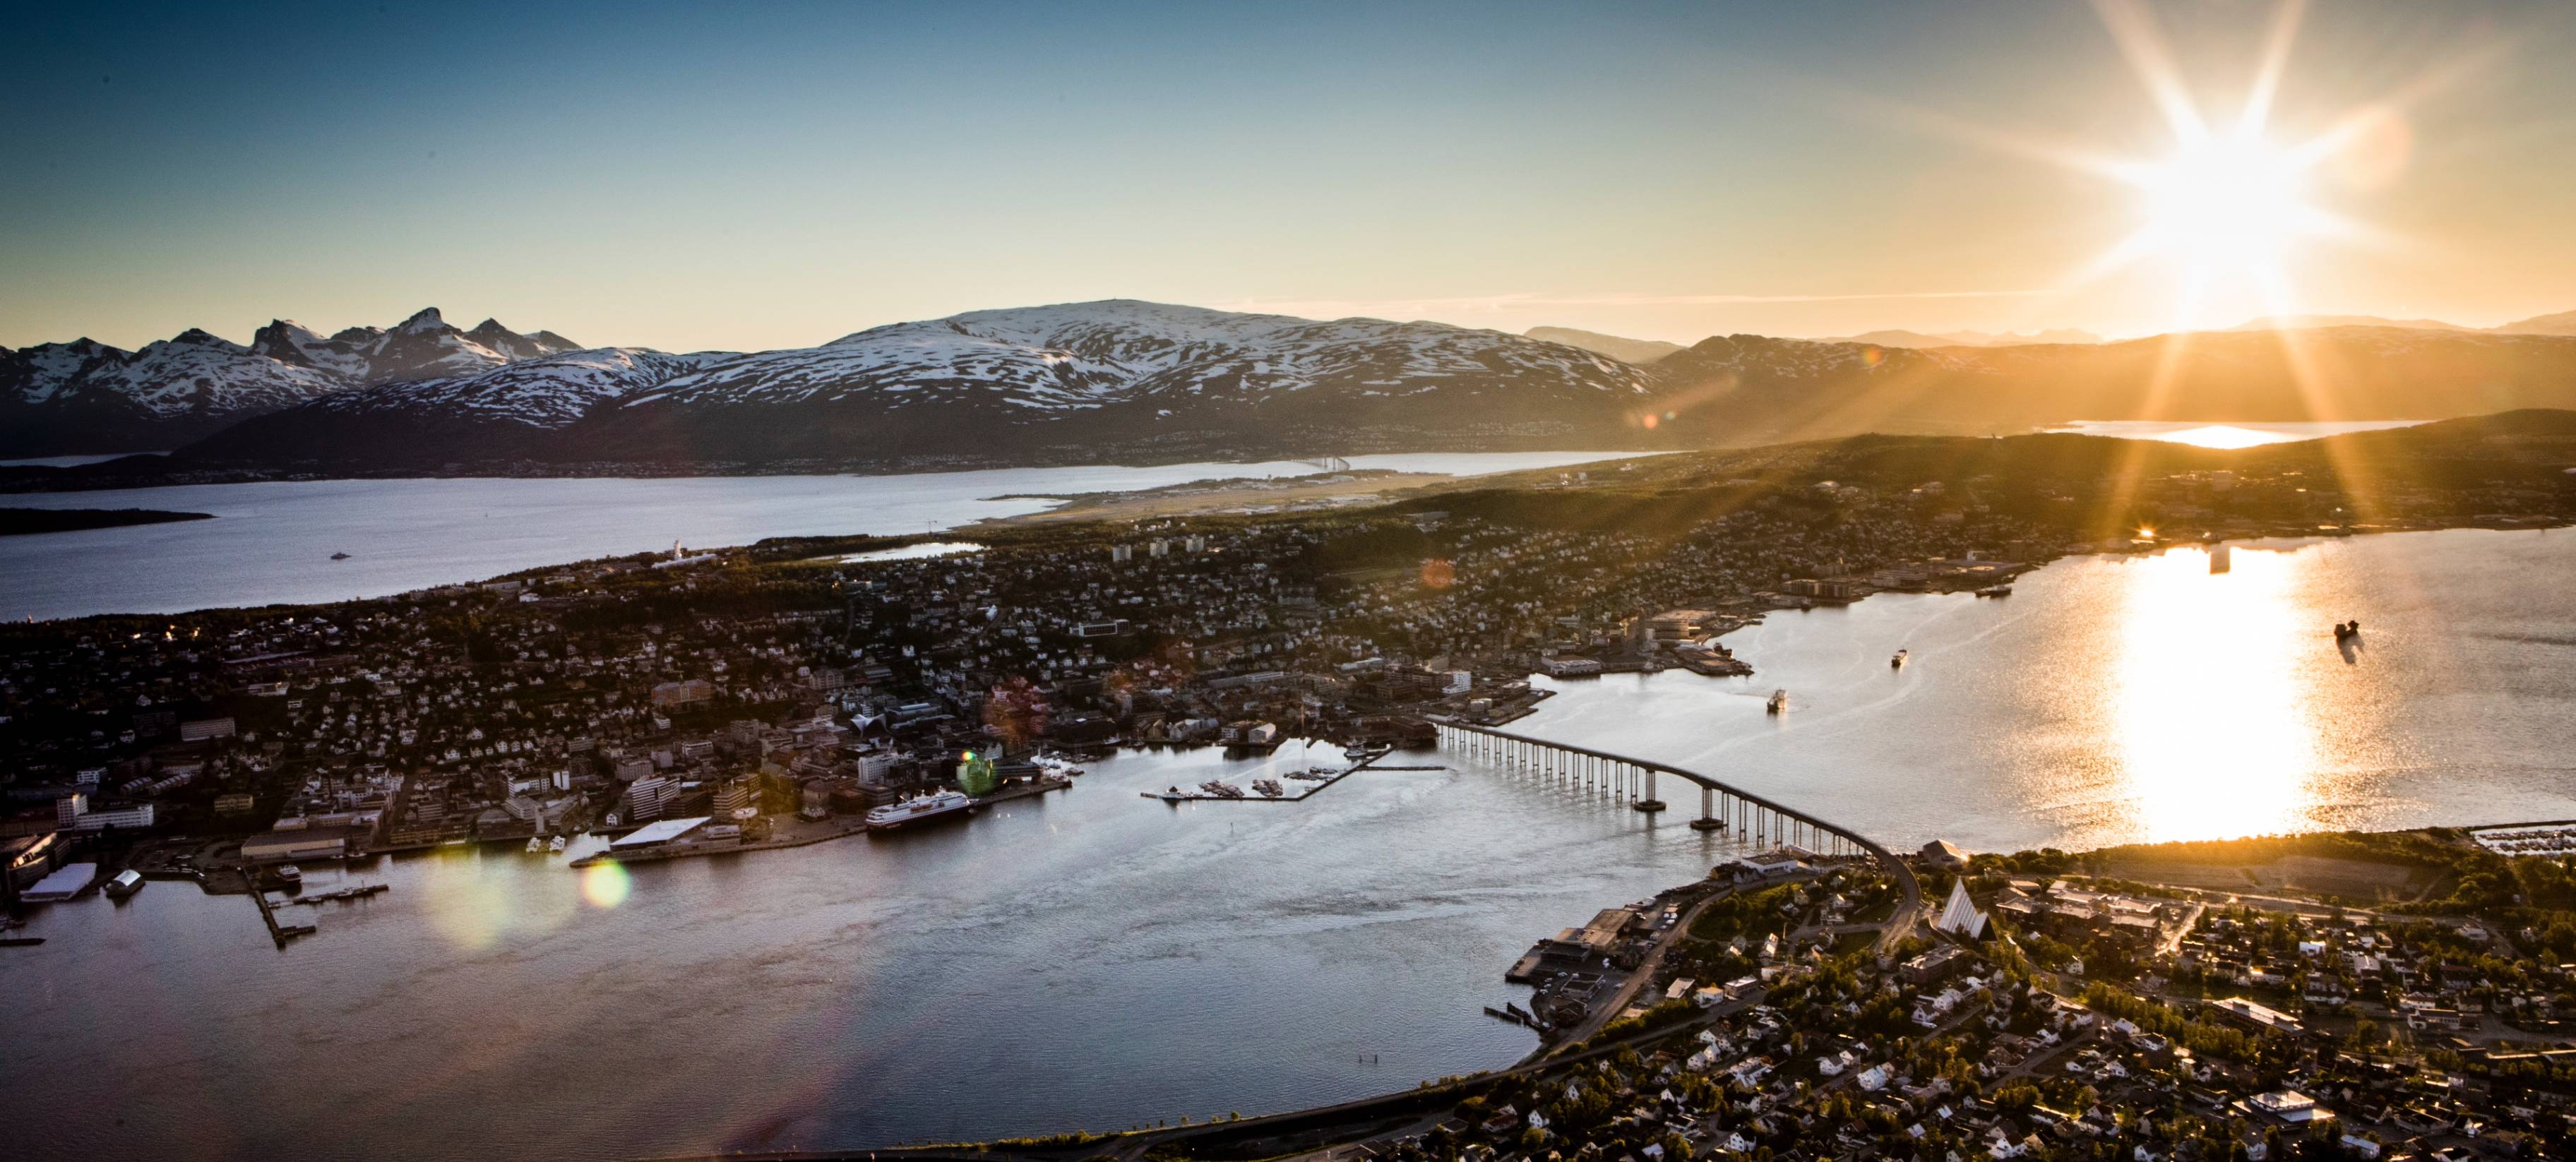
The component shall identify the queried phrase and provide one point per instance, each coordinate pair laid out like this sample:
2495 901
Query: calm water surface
272 541
2226 435
1099 959
2119 699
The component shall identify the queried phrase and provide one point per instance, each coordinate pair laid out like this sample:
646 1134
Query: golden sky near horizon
781 176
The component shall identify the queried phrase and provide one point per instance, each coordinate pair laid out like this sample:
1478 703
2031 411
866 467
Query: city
1121 581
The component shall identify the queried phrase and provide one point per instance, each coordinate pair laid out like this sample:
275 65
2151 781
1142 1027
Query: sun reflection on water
2212 725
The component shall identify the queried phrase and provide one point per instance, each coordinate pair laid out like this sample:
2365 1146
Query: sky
768 175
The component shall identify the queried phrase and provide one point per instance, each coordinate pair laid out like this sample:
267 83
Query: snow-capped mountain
86 396
489 414
423 346
1130 381
1083 380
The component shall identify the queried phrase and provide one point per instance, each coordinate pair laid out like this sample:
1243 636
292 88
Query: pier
1311 790
279 932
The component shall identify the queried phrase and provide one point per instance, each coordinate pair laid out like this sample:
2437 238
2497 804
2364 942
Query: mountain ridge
87 396
1129 381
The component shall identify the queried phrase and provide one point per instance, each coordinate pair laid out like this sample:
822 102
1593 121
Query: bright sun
2224 202
2228 208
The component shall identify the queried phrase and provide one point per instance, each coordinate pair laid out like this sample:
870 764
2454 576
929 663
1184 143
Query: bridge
1748 817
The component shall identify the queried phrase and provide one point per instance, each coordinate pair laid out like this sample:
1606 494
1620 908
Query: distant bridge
1328 463
1741 813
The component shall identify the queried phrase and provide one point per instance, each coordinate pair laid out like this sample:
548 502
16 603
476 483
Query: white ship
919 808
556 847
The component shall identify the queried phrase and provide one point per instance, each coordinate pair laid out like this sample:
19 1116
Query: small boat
286 873
1779 702
1269 788
535 845
1995 591
2346 631
125 884
556 847
1173 795
339 556
1897 662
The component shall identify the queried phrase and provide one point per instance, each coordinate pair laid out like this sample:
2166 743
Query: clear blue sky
761 175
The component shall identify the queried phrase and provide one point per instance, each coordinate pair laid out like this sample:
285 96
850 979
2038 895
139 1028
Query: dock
281 933
806 836
1311 790
356 893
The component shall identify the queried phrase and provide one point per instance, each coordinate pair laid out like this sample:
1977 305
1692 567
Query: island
16 522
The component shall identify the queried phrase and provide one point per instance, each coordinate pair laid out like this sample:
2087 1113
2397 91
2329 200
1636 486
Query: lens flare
605 884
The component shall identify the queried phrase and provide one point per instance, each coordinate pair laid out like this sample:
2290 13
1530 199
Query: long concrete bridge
1738 812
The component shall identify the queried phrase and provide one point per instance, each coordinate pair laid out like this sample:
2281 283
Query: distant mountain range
1127 381
1080 382
84 396
1638 351
2562 323
1900 338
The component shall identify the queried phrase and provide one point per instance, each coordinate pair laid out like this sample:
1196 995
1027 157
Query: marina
1317 780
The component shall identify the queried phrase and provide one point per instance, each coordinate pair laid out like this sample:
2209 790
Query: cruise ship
918 809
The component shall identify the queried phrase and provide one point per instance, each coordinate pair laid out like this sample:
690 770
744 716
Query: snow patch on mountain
1080 356
544 393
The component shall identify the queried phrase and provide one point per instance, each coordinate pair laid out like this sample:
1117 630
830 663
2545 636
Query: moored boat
919 809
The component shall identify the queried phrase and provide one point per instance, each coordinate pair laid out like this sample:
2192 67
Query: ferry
1779 702
556 847
1897 662
919 808
125 884
290 874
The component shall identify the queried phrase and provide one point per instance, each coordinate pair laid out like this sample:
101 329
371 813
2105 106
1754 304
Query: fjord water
1097 959
1092 959
271 542
2114 699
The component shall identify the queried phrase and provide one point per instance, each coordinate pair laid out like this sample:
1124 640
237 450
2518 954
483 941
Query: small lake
271 542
